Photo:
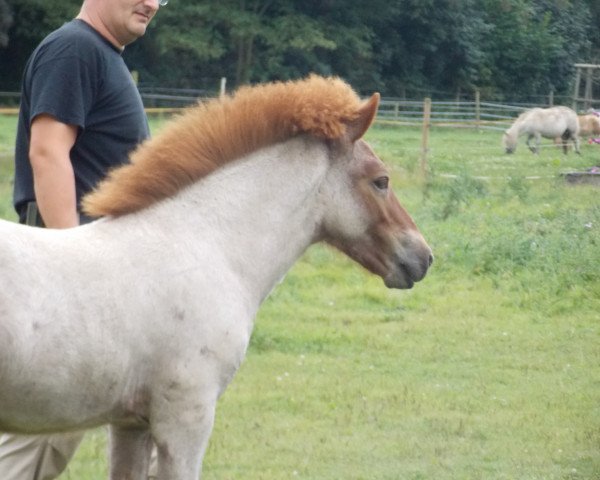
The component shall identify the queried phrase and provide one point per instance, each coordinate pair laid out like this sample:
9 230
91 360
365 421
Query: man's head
120 21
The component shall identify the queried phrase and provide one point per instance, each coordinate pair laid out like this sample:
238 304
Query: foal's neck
262 211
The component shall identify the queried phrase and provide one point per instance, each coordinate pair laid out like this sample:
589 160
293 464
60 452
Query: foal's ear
366 114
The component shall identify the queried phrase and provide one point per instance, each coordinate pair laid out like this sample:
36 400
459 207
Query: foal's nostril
430 259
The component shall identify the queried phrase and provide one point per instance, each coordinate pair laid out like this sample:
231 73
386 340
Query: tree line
506 49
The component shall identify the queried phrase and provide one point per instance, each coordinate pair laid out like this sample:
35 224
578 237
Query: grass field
488 369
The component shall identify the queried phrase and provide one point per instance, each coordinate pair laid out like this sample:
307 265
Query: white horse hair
141 318
553 122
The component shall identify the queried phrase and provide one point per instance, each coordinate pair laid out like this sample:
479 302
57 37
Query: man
80 115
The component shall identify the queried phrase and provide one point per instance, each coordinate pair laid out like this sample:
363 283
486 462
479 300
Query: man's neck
97 24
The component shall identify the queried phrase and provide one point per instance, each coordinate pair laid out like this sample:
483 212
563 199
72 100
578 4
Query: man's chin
135 32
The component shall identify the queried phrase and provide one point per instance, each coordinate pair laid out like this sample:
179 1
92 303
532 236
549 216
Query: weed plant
488 369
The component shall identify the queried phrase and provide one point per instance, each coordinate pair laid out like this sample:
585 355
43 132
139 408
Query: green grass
488 369
8 130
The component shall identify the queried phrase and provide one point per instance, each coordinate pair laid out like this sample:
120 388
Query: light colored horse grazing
141 319
543 122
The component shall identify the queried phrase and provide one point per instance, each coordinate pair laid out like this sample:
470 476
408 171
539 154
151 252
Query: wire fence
400 112
461 114
422 113
456 113
453 113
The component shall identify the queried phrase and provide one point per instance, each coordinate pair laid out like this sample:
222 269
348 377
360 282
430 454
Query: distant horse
141 319
543 122
589 124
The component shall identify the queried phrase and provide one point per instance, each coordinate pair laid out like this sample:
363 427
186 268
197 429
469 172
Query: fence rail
485 115
423 114
449 113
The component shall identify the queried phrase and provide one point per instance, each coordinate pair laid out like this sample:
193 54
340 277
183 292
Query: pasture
488 369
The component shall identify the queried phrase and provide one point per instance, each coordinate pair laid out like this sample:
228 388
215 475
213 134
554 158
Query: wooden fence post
588 89
425 135
477 110
576 91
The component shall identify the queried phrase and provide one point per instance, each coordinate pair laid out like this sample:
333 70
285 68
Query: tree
533 45
6 20
32 21
432 45
516 48
250 40
594 34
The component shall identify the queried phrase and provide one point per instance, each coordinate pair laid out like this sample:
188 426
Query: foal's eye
381 183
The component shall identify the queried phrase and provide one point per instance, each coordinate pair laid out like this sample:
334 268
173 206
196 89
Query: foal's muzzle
407 270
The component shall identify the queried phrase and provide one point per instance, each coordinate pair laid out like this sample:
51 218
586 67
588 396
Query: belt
29 214
32 215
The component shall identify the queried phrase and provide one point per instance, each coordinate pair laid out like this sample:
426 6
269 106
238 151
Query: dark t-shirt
79 78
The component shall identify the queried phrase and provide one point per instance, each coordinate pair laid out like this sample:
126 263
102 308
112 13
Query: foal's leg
129 453
181 443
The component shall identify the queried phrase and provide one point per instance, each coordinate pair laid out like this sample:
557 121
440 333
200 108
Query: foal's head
365 219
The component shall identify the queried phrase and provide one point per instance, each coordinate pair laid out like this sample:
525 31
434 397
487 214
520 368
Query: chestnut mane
211 134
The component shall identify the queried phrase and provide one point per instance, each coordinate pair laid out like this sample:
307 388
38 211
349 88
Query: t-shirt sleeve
63 87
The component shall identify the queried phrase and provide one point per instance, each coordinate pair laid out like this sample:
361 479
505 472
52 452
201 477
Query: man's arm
53 177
